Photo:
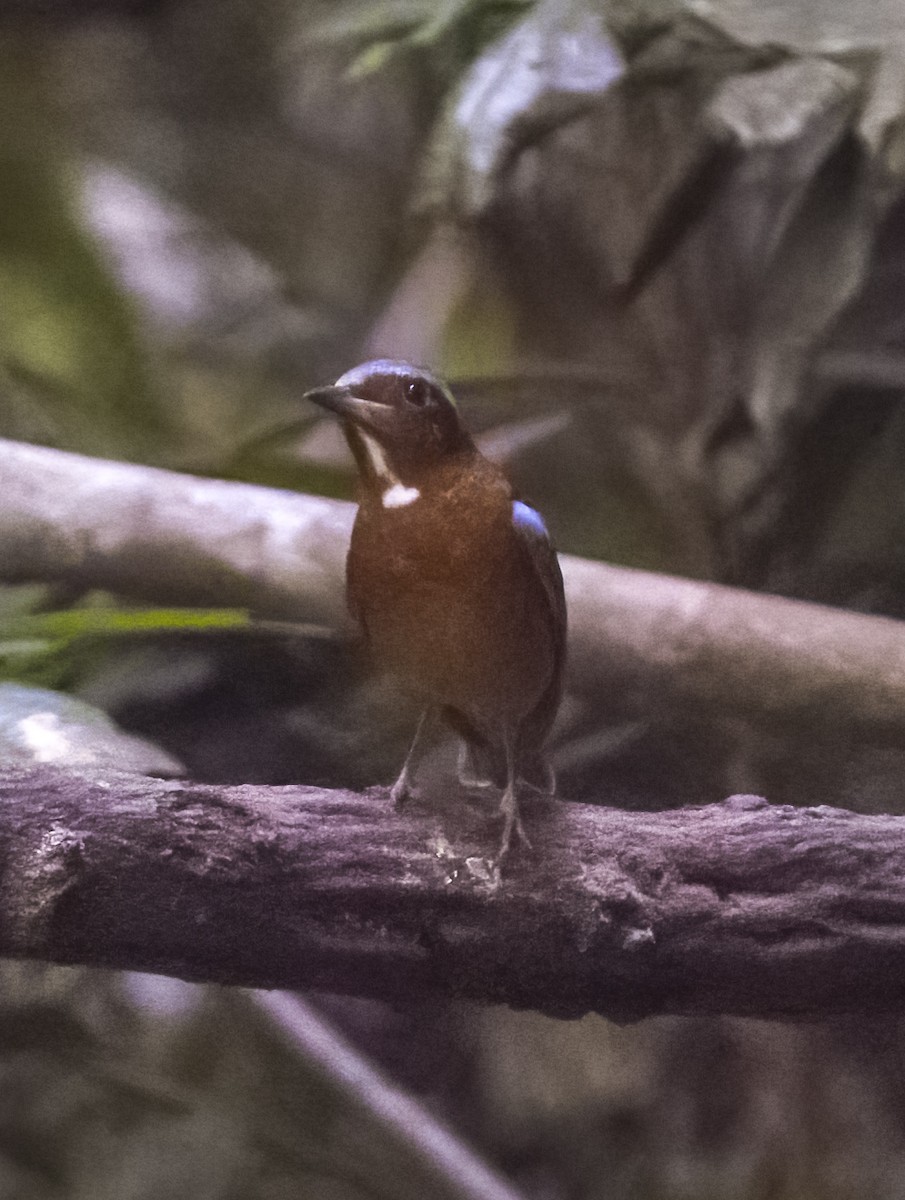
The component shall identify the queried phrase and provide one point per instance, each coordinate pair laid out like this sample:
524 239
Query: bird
453 580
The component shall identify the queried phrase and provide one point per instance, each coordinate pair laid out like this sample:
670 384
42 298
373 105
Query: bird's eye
417 392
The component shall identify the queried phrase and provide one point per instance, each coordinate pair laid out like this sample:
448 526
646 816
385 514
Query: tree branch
160 536
639 642
741 907
438 1149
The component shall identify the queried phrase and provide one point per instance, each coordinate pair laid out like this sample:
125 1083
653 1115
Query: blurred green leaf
363 19
72 372
548 69
54 648
374 58
388 28
81 622
479 337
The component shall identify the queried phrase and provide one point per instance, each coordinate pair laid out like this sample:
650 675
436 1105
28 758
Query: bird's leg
546 785
509 802
401 790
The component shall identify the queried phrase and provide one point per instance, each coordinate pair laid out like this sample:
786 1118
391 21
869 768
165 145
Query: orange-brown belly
477 645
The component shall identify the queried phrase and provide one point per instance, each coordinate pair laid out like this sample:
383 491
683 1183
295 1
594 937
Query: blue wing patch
527 518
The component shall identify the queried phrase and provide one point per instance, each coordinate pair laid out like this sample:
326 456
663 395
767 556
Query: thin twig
438 1149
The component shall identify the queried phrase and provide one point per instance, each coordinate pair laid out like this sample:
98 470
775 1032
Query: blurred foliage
71 369
387 29
58 648
198 1097
659 247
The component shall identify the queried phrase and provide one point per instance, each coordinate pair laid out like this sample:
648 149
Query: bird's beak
377 418
336 399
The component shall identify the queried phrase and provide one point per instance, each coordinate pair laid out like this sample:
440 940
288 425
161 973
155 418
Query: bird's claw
512 823
400 793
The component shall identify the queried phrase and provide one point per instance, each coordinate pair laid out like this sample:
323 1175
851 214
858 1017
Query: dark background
658 248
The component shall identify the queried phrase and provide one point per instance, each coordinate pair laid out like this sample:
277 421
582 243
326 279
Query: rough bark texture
740 907
647 642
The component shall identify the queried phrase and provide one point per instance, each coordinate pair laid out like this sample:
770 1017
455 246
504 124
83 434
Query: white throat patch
395 493
378 459
398 496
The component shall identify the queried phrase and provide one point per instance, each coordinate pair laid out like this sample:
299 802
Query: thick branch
168 538
685 647
741 907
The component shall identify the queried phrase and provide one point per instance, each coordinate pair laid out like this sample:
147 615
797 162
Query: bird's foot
512 823
401 792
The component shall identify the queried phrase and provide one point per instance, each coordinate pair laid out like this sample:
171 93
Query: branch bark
740 907
159 536
639 642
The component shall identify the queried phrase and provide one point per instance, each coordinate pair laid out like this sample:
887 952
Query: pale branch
740 907
638 641
435 1147
167 538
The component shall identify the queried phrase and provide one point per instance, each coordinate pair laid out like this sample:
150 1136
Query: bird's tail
482 764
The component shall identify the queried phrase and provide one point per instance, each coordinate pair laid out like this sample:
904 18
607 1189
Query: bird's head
401 421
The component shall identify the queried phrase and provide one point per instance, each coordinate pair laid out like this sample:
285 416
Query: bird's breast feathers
436 530
450 599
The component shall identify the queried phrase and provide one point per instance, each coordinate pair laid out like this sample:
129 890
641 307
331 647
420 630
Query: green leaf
390 28
55 648
72 370
83 622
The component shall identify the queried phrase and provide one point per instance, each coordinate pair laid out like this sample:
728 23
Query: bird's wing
535 540
354 589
